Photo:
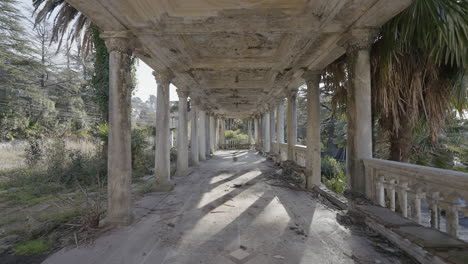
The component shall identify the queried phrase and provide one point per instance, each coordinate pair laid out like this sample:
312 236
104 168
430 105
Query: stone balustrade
300 155
236 143
283 151
402 187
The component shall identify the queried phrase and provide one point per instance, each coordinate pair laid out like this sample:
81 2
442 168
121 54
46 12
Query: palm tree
67 22
419 63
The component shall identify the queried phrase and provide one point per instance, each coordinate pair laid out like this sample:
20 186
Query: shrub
331 167
33 152
334 174
56 160
229 134
142 151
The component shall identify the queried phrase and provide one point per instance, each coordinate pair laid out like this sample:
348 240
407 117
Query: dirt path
225 212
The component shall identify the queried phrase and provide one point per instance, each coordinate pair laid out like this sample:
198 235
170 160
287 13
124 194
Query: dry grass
12 153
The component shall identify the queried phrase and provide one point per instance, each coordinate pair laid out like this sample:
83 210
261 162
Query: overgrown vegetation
33 246
334 174
235 134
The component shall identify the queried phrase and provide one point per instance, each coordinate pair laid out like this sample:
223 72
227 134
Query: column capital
163 77
312 76
120 41
359 39
291 93
182 93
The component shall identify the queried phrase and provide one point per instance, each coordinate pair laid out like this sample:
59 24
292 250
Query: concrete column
260 131
272 129
212 134
256 130
163 163
280 122
359 108
292 124
194 140
222 132
201 135
313 170
267 132
249 130
217 133
208 136
119 162
182 135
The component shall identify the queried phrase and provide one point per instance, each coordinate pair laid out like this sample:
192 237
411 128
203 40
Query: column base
113 223
164 187
182 173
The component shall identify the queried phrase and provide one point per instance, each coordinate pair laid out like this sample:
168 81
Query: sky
146 84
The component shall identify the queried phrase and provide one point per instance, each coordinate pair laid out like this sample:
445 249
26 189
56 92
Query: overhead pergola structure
235 58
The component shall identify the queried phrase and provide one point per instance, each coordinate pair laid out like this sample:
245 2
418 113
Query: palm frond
68 23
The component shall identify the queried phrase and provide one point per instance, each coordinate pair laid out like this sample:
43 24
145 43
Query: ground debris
278 257
289 175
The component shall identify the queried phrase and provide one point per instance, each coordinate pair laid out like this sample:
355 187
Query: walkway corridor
226 212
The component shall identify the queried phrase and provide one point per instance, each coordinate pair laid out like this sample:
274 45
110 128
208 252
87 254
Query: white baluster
381 191
391 190
434 203
403 198
452 217
416 212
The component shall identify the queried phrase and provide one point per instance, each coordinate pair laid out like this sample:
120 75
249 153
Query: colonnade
207 130
269 123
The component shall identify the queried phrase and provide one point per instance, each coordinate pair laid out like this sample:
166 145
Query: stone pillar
272 129
359 108
249 130
201 135
212 134
260 131
256 130
217 133
208 135
119 162
267 132
163 163
182 135
313 164
292 124
194 141
222 132
280 122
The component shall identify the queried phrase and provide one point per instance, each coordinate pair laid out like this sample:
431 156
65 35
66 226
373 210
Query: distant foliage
232 134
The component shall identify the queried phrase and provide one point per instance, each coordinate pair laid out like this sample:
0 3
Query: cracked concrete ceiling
238 56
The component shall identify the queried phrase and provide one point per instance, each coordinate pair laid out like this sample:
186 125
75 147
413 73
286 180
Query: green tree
22 101
419 63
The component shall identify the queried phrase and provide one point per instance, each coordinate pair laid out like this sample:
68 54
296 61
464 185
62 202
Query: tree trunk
401 141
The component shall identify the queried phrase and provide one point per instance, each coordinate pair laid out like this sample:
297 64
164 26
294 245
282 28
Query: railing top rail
300 147
412 168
